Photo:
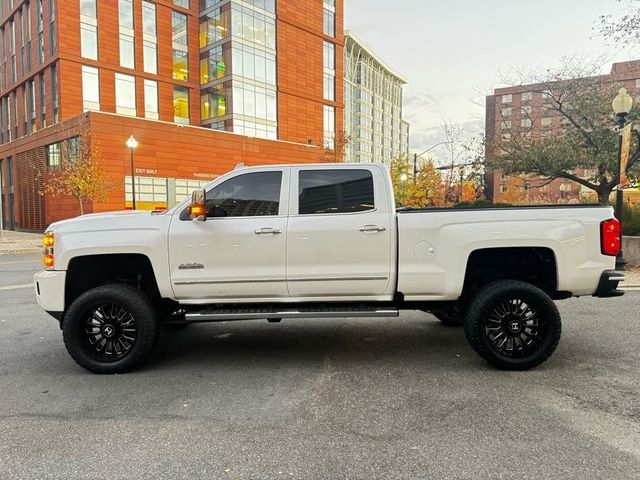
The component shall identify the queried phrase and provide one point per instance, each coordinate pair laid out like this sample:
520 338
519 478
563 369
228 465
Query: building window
527 96
90 88
12 49
507 98
214 25
546 122
26 37
506 125
180 47
329 126
181 105
125 94
181 3
43 100
329 76
329 19
73 149
527 110
254 101
329 87
329 55
151 99
54 158
506 112
88 29
525 123
214 64
148 189
127 39
254 64
54 92
150 40
40 33
253 26
335 191
32 104
89 41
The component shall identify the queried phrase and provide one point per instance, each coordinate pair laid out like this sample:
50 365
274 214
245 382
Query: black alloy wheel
513 325
110 332
111 328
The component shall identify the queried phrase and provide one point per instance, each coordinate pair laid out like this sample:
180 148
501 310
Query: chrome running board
228 314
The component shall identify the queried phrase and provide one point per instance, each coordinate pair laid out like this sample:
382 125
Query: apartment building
373 106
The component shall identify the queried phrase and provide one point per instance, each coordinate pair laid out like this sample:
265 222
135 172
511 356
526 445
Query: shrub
631 219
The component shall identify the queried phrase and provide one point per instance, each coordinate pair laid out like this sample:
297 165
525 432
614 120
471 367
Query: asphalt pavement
325 399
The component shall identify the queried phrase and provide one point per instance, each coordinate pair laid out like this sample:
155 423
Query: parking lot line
17 287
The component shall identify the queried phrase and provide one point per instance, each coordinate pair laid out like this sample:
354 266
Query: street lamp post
418 155
132 144
622 105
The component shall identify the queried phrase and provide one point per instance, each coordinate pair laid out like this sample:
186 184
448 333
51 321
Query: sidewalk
18 242
632 277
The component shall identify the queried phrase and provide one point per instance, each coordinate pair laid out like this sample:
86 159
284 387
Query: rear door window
335 191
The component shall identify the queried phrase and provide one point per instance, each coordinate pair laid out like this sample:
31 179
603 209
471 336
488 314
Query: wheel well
535 265
87 272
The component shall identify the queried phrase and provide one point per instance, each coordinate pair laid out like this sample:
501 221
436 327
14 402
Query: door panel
239 252
341 244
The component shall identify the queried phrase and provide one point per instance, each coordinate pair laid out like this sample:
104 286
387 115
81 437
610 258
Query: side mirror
198 209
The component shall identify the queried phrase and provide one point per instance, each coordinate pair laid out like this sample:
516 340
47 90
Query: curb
20 251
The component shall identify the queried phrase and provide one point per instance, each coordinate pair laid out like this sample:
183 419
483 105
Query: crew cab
319 241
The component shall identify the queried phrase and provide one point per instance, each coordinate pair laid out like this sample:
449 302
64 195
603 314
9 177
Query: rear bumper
49 286
608 286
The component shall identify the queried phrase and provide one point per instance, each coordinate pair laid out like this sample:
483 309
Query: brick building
201 84
521 109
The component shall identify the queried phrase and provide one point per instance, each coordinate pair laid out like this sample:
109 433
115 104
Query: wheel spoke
110 332
513 327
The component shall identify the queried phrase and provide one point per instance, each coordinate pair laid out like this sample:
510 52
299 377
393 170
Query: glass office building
238 67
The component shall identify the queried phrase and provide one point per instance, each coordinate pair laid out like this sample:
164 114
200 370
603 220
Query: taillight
610 237
48 243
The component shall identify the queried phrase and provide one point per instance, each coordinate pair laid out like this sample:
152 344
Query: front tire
110 329
513 325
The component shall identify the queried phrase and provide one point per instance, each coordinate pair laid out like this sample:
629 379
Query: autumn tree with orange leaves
80 174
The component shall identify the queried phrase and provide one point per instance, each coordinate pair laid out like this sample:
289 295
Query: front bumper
49 286
608 286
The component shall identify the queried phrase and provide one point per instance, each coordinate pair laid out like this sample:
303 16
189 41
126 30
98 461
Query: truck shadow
311 341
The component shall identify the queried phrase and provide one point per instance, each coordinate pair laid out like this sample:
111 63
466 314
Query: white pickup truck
318 241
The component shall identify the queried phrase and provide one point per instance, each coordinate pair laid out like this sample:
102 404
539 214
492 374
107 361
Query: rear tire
110 329
513 325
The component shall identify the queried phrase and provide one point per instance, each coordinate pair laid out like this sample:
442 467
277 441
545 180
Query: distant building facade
373 106
523 108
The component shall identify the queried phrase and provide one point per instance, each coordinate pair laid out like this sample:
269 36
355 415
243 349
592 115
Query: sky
453 53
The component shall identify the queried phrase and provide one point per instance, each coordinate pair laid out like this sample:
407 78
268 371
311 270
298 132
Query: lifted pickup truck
318 241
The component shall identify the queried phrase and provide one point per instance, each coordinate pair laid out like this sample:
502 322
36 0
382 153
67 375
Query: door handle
372 228
268 231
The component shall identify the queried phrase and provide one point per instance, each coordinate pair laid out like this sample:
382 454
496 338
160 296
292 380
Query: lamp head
623 103
132 143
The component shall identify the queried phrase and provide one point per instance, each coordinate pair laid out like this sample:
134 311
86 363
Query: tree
428 188
625 28
335 151
401 176
80 174
585 137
